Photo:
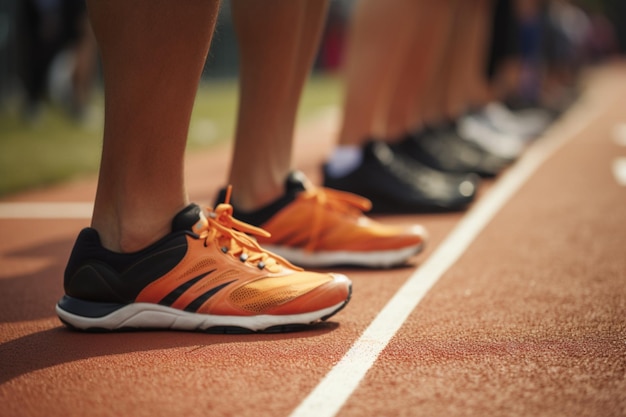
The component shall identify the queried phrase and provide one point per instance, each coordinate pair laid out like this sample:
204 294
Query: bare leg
277 41
153 53
478 91
380 36
433 25
465 55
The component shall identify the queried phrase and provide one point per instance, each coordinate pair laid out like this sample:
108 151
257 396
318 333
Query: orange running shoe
204 275
321 227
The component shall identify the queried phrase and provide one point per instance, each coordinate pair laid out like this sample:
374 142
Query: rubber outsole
147 316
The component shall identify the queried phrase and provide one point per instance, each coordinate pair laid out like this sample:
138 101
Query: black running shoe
444 150
395 183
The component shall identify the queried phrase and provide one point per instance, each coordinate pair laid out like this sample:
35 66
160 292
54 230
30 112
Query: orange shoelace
240 243
325 199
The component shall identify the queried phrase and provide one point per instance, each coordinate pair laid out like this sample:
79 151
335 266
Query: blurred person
463 106
486 120
455 140
601 42
332 43
566 27
152 259
513 55
535 59
83 49
57 55
421 119
39 28
503 61
309 225
398 144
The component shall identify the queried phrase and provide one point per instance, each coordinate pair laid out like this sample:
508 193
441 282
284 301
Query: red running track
516 308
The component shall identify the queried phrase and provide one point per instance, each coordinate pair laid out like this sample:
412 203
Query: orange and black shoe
319 227
204 275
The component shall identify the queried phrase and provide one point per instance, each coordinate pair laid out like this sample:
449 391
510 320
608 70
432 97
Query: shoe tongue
187 218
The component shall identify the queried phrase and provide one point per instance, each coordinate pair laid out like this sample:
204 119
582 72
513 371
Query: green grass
48 151
57 149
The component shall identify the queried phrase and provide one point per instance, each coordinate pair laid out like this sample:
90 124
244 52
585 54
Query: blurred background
51 102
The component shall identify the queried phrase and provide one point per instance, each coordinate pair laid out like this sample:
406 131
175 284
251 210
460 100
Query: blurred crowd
56 55
537 46
537 49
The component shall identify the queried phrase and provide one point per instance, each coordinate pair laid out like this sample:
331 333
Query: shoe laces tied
325 200
236 238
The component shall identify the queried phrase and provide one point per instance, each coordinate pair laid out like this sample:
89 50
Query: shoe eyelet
224 249
243 257
260 265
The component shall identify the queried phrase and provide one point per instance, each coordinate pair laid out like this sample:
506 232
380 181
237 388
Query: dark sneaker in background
441 148
396 183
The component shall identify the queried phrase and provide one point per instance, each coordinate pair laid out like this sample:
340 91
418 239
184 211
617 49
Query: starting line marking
337 386
46 210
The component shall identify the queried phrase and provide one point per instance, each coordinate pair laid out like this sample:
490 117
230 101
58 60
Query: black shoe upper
443 149
396 183
94 273
294 184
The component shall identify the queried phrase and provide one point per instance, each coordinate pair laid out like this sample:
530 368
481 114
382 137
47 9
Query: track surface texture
516 308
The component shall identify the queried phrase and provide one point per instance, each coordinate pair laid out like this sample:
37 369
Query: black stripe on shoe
195 304
170 298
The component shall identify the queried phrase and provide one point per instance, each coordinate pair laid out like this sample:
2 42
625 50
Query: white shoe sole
155 316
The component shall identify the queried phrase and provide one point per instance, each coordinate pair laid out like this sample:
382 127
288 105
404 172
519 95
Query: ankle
136 240
131 234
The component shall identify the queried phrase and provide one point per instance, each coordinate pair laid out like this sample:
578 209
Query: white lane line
619 170
337 386
45 210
